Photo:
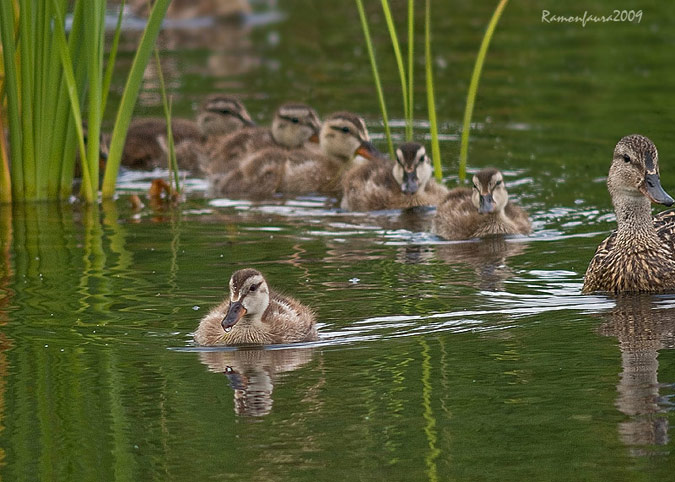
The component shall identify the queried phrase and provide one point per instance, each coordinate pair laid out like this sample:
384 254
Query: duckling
482 211
292 126
255 314
145 145
343 135
639 256
405 184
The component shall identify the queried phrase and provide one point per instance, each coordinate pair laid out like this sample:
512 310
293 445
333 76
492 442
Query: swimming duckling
255 314
405 184
293 125
145 145
639 256
343 135
482 211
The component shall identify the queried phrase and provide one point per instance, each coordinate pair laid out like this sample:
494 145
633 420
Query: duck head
489 193
635 171
249 297
222 114
295 124
413 168
344 135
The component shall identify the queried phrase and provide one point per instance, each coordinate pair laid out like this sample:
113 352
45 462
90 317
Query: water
436 360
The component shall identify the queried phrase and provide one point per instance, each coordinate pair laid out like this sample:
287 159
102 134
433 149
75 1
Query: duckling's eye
226 111
498 183
475 187
345 130
295 120
626 158
253 287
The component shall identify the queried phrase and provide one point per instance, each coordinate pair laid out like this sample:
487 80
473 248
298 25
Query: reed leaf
11 88
173 164
411 65
130 95
399 64
431 102
376 75
473 87
112 56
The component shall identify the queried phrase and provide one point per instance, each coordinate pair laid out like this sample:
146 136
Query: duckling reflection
643 327
487 256
252 374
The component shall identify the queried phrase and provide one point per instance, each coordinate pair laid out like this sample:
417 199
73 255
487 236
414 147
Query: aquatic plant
47 95
171 151
473 88
407 82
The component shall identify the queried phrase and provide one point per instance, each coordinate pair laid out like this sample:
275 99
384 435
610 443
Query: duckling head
249 298
489 194
344 135
413 168
222 114
635 172
295 124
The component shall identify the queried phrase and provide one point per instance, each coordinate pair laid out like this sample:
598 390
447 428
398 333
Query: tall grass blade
399 64
112 56
130 95
69 76
473 88
173 164
411 65
431 102
376 75
26 63
11 88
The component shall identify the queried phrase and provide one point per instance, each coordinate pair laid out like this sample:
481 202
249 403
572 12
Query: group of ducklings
299 154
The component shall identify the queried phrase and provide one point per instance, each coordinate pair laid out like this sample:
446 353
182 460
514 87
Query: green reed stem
376 75
130 95
473 87
173 163
431 102
11 87
112 56
411 64
401 70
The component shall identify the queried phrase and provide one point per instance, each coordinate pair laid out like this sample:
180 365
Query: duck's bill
248 122
368 150
651 187
410 184
234 314
486 204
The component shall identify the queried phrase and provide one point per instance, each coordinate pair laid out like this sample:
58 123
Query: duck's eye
345 130
226 112
626 158
253 288
475 187
498 183
295 120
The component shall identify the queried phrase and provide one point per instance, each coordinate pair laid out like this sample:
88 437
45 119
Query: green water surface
436 360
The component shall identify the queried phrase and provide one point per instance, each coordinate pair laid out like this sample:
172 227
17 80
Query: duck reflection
643 324
252 373
487 256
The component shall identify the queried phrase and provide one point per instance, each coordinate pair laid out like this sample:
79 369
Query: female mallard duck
307 170
145 145
482 211
254 314
405 184
293 125
639 256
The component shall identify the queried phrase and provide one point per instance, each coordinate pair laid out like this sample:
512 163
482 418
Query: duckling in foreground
343 135
482 211
380 185
639 256
255 314
145 145
293 125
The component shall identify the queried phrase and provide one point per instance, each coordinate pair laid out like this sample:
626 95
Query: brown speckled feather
371 186
457 218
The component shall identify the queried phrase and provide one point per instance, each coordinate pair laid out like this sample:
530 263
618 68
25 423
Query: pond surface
436 360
